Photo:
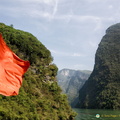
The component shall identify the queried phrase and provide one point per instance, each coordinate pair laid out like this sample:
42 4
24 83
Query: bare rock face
102 89
71 82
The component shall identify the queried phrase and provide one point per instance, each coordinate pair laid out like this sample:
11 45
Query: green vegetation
40 96
102 90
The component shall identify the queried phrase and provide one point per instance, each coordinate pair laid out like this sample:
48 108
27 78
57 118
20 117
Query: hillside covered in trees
102 90
40 96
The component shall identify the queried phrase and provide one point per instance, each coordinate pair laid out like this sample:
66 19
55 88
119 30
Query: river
97 114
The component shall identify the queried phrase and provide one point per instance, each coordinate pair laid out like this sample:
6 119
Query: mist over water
97 114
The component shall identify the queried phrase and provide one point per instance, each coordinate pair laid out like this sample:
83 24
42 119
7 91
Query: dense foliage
102 90
40 96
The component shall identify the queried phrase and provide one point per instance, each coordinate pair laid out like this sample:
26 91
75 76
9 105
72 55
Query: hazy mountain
71 81
102 90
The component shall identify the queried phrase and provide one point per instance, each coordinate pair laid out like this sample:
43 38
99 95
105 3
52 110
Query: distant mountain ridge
71 81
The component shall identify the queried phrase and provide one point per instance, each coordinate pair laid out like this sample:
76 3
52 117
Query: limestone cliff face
71 81
102 90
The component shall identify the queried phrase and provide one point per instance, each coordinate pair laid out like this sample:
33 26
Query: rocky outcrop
71 81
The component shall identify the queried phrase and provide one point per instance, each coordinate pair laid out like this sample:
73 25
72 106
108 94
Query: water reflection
97 114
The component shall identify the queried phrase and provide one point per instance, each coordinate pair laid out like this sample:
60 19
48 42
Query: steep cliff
40 96
71 81
102 90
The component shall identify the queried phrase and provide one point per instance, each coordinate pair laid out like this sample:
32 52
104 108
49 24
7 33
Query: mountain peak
113 29
102 90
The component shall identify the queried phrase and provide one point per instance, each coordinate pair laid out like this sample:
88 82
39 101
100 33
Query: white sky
70 29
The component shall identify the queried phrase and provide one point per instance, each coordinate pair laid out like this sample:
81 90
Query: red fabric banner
12 69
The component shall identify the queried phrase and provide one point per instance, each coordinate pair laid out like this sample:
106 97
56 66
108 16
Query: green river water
97 114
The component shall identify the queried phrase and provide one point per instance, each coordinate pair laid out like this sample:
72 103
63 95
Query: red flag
12 69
